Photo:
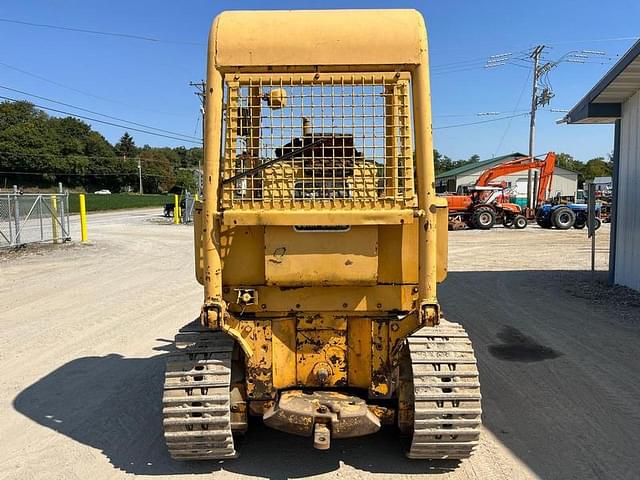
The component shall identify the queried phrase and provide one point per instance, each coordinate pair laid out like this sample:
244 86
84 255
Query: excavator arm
546 176
546 167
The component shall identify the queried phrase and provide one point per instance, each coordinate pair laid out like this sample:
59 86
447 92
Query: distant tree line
38 150
444 163
587 171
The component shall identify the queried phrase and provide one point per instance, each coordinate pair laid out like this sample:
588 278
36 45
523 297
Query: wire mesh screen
327 141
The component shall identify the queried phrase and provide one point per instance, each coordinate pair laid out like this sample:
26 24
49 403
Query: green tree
186 178
157 172
597 167
57 149
565 160
442 162
126 146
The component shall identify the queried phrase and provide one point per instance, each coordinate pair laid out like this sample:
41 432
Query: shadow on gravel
558 354
113 404
573 415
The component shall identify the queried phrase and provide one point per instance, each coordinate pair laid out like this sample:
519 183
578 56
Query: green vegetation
117 201
37 150
444 163
596 167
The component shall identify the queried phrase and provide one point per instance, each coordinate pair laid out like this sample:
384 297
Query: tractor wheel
542 220
563 218
520 222
484 218
598 223
580 224
543 223
507 221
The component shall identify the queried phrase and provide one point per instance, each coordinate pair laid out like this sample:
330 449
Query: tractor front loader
319 243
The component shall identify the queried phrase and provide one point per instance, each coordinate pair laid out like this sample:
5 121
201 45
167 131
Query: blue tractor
566 216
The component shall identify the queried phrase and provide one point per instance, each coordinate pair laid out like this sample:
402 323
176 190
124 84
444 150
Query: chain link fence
33 218
187 212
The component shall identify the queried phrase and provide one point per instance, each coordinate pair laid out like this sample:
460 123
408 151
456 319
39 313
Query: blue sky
147 82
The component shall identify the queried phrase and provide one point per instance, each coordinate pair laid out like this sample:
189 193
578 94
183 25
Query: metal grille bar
319 141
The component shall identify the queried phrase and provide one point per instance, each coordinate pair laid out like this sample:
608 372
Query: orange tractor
487 202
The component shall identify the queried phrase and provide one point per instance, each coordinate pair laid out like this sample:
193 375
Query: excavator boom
522 164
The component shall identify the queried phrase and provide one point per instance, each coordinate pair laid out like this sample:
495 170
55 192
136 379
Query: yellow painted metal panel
296 258
320 37
259 365
284 352
442 219
321 349
398 254
378 298
239 248
318 217
380 366
359 352
322 322
198 233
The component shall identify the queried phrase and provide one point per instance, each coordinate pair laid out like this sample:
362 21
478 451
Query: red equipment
484 206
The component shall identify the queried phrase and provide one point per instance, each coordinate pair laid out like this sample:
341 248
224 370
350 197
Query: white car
103 192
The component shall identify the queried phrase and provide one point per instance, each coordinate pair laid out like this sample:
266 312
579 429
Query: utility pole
201 91
541 91
140 175
535 55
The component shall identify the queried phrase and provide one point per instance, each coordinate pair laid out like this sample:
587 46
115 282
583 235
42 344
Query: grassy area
117 201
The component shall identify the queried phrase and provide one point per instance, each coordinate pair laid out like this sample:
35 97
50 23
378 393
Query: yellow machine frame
301 319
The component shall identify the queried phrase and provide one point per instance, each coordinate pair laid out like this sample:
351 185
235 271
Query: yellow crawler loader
319 243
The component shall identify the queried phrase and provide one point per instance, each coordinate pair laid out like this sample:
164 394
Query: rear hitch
321 437
321 414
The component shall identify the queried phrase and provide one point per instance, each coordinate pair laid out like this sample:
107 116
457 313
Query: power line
83 92
103 121
64 174
482 121
86 157
445 72
53 82
97 113
508 127
445 65
594 40
97 32
520 55
476 114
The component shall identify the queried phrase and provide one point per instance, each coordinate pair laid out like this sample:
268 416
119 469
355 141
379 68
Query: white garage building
616 99
564 181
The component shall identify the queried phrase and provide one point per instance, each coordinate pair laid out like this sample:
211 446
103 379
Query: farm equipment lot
85 329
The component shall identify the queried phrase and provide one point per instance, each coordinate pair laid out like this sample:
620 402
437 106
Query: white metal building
564 181
603 184
616 99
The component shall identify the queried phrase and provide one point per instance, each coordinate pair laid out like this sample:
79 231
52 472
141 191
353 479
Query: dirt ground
85 329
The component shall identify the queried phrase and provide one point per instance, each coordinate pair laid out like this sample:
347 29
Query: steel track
196 408
446 391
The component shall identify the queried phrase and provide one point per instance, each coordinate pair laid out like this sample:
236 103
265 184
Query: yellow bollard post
54 218
83 218
176 209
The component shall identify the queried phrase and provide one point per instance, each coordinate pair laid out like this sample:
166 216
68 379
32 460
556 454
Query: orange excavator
486 205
